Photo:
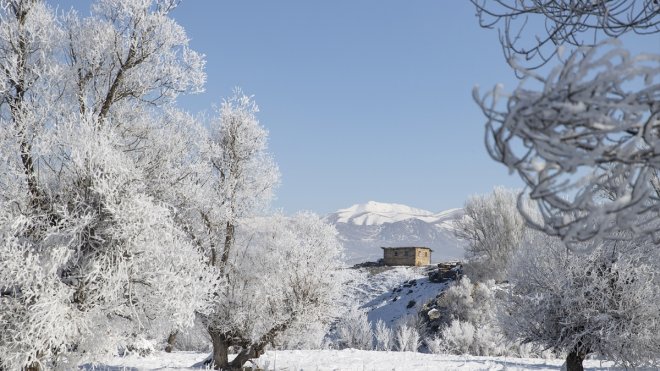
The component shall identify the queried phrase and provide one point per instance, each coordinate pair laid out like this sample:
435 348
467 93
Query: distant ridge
364 228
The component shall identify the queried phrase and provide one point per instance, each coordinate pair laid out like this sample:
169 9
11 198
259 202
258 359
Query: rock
433 314
446 272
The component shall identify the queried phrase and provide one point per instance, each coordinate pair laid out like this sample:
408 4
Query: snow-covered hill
394 294
365 228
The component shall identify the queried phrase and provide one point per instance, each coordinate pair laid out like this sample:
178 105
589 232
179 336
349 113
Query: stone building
407 255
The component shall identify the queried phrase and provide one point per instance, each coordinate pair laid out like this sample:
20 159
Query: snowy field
348 360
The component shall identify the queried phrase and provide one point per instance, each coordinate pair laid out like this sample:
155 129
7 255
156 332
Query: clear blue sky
364 100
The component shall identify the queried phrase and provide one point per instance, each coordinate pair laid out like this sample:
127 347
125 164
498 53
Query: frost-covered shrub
140 346
459 337
462 337
354 330
407 334
384 336
407 338
468 311
434 344
303 336
468 302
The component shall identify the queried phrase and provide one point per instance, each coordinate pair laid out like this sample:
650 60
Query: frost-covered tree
584 139
493 229
282 273
606 302
585 142
128 52
244 173
102 265
90 255
534 29
30 83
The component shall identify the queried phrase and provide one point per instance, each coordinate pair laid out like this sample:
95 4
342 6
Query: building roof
407 247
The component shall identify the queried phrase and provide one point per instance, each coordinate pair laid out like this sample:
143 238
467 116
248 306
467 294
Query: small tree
606 302
244 173
493 229
215 177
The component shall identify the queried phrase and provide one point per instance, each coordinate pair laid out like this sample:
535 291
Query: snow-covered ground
347 360
395 293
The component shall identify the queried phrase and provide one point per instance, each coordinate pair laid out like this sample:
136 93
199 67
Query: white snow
364 228
385 295
349 360
378 213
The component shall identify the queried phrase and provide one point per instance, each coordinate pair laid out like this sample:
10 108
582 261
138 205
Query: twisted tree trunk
222 342
220 357
575 358
171 339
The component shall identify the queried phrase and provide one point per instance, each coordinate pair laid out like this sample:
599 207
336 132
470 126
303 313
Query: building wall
407 256
422 256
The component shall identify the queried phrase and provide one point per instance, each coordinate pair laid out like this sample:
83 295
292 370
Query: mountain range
365 228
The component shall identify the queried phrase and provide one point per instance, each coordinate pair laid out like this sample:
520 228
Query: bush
407 334
468 317
462 337
354 330
384 336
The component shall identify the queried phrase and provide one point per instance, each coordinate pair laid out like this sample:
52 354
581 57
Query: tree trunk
244 356
574 360
16 105
170 341
229 241
220 351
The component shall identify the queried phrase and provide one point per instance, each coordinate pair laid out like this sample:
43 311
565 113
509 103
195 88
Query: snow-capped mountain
364 228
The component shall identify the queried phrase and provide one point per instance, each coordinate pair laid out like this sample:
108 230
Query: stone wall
407 256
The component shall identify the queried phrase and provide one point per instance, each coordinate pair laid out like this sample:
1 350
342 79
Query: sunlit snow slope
364 228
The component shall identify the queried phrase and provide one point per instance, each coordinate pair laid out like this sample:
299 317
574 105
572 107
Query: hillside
394 293
364 228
